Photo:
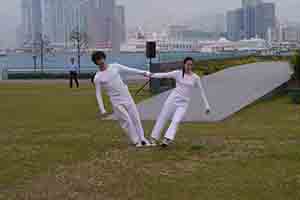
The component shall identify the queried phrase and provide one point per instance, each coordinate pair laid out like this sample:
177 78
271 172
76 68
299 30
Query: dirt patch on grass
117 172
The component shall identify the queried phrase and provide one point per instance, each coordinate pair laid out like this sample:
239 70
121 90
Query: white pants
175 108
129 119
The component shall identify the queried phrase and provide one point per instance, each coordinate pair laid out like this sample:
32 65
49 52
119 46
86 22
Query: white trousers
174 108
129 119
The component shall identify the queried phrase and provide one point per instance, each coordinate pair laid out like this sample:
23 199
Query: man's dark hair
184 62
97 55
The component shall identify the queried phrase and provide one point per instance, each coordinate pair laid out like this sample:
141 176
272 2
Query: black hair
184 62
97 55
93 78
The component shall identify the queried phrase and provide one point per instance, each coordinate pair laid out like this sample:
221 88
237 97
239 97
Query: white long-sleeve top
111 81
184 85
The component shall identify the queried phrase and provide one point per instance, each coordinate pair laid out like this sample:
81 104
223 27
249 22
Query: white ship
137 43
3 53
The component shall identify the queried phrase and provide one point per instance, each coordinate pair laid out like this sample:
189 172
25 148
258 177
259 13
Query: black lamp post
34 57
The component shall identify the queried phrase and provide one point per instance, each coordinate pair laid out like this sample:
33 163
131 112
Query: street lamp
34 57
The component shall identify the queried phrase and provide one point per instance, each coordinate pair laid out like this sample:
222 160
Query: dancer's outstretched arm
126 69
203 95
172 74
99 98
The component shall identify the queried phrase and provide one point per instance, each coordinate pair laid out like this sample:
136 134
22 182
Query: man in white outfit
108 77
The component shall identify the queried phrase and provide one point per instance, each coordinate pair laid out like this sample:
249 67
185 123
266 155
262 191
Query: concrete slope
228 91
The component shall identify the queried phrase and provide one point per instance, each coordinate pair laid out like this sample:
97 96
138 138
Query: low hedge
38 75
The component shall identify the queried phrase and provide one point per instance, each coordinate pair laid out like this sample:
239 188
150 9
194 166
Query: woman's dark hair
93 78
97 55
184 62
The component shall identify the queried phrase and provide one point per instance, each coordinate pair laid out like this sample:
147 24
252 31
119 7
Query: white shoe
139 145
166 142
146 143
153 142
143 143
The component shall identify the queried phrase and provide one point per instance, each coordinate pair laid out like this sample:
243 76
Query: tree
294 92
80 41
295 63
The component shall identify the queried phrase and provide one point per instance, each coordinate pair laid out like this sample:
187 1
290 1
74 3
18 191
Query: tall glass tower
250 3
37 29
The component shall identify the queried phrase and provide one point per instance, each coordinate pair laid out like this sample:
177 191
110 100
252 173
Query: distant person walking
73 70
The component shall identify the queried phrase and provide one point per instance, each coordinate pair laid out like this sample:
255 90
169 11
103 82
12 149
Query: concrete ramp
228 91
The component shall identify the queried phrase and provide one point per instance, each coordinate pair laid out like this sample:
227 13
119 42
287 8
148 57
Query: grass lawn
52 146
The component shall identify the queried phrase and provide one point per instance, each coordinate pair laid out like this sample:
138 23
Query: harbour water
22 61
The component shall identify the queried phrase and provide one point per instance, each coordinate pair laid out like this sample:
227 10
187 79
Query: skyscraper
100 23
257 18
26 13
249 20
291 34
54 20
102 20
250 3
105 22
31 26
120 15
37 29
83 15
265 19
61 17
235 24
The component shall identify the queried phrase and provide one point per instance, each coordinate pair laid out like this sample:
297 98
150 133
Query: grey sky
150 12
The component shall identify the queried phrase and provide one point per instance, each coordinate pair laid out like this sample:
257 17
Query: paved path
228 91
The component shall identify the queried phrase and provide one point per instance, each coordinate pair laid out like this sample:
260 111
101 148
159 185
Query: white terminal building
174 40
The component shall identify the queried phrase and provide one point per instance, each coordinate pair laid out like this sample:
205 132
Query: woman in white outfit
108 77
177 103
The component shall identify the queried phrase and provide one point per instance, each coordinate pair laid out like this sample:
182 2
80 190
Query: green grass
53 147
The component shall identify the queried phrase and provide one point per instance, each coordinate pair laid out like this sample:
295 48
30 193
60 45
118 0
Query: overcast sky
151 12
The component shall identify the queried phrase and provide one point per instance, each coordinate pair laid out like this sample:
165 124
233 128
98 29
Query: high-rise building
277 34
250 3
83 18
62 17
291 34
37 29
249 20
100 23
20 36
72 19
105 22
257 19
235 24
102 20
265 19
26 13
120 15
31 26
54 20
